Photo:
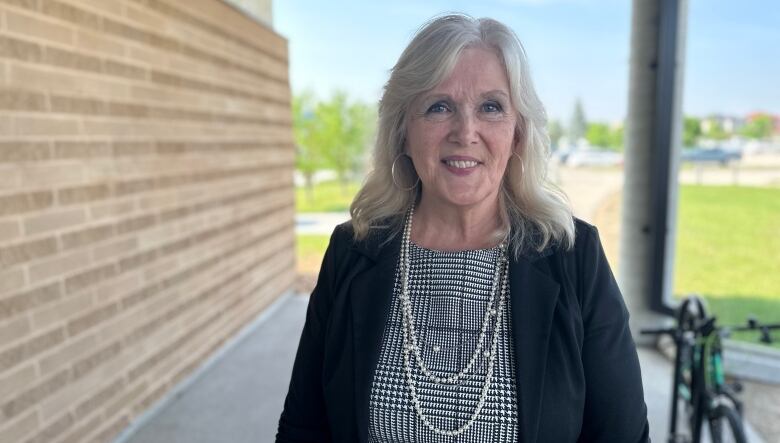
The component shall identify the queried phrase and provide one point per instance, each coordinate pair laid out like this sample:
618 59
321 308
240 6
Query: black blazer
578 377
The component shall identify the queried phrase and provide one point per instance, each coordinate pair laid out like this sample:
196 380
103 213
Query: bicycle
699 388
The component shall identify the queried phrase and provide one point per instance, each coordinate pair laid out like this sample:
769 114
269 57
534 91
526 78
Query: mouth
461 162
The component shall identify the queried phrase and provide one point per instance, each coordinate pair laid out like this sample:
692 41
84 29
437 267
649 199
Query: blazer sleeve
304 417
615 409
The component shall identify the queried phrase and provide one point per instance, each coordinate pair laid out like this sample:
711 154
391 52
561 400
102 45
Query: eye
438 108
491 107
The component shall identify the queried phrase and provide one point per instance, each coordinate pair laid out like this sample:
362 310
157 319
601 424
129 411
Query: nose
465 129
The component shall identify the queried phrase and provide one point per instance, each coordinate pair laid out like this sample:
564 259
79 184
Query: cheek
503 145
423 147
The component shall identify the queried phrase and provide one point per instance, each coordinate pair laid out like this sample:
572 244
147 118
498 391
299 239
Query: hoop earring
520 159
392 173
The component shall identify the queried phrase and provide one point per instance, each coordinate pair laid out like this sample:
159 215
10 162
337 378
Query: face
460 135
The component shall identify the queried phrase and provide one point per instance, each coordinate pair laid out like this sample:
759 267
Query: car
710 155
560 155
594 157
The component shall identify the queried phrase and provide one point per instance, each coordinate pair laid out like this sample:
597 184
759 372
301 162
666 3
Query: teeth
461 164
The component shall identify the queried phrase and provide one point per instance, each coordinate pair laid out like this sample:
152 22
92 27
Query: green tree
555 131
715 131
604 136
691 131
616 138
578 124
344 132
759 127
308 152
598 135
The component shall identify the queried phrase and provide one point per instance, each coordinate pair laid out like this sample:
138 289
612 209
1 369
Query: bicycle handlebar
708 325
752 327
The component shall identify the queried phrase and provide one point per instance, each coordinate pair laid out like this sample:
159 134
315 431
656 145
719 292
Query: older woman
463 302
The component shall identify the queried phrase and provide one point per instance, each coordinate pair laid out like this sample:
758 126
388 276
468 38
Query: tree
616 138
344 132
598 135
715 131
308 152
691 131
555 131
578 124
759 127
604 136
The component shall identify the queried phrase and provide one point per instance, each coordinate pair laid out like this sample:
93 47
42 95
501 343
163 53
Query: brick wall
146 202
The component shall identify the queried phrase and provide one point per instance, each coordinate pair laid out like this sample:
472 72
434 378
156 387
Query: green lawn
728 250
325 197
309 249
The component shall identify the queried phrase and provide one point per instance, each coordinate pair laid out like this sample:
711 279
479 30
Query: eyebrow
494 93
488 94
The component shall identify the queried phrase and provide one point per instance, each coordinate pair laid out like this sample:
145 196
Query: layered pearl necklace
411 347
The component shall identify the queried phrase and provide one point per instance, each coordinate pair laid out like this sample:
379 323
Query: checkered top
449 292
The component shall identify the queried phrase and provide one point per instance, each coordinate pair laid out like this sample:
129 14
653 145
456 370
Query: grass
728 250
327 196
309 249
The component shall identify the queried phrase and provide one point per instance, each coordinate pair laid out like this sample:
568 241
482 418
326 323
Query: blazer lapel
533 296
371 292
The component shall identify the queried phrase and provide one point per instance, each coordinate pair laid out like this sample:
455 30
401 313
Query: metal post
652 155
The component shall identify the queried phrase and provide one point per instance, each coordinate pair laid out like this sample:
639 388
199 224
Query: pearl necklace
410 341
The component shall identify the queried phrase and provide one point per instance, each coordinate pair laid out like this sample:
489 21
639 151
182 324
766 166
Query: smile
461 164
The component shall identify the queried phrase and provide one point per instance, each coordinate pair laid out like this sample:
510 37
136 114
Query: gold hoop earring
520 159
392 173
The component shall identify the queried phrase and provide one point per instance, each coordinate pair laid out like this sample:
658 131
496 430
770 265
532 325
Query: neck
447 227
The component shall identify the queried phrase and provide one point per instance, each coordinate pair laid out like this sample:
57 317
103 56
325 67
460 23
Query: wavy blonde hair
536 210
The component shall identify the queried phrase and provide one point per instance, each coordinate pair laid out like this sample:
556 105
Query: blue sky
576 48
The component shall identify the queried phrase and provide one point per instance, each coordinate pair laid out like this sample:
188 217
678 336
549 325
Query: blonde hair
537 211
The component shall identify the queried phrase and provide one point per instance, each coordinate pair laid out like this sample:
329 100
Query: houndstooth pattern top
449 292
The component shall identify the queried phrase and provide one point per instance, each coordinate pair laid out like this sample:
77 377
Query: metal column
654 126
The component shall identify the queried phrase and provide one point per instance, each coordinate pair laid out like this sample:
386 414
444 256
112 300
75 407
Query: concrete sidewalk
237 397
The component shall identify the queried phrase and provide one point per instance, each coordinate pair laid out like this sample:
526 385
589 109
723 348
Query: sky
577 49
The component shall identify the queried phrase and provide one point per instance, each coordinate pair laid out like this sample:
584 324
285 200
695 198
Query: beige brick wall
146 202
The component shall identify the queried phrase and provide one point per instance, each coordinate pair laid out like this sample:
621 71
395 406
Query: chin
467 199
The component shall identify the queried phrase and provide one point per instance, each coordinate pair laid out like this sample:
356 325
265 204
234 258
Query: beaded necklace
411 347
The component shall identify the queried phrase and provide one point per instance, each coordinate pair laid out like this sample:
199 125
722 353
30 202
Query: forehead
477 70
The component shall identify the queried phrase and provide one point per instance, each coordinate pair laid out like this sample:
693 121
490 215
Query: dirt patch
607 219
304 283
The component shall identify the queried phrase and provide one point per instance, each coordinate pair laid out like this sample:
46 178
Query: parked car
560 155
710 155
594 157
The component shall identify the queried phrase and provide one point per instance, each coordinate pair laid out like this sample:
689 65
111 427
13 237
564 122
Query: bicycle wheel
692 309
725 424
689 386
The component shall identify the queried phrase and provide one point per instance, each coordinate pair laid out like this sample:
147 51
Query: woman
463 302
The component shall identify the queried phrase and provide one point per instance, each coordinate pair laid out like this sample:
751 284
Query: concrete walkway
238 397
